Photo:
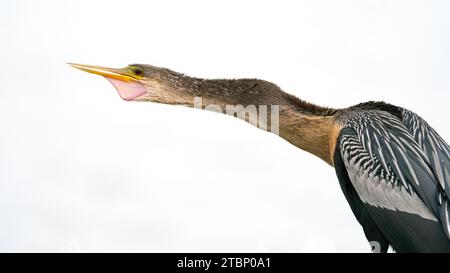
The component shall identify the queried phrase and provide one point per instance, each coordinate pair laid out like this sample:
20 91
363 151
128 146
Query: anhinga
393 168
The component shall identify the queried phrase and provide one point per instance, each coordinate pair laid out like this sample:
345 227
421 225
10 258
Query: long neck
316 134
261 103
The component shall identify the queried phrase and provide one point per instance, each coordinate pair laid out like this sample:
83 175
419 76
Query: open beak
128 86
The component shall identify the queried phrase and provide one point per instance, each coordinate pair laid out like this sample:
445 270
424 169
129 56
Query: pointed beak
128 87
122 74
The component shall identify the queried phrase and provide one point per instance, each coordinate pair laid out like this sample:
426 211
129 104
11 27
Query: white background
82 170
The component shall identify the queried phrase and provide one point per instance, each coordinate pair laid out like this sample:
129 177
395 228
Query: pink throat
128 90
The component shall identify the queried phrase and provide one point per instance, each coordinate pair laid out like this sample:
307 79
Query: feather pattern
438 151
397 164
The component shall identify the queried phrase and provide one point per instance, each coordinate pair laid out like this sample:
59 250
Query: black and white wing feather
435 148
395 179
438 153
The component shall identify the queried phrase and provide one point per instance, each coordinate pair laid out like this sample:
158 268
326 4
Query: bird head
142 82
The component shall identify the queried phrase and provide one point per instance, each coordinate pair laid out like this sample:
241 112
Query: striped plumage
394 170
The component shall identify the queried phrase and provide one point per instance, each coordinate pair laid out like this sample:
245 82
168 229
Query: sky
83 170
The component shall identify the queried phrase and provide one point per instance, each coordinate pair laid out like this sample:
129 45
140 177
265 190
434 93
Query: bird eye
138 71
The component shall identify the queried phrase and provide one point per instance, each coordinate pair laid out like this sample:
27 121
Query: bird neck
307 126
316 134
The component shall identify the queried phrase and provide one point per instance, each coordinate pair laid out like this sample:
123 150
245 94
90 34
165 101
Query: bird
392 166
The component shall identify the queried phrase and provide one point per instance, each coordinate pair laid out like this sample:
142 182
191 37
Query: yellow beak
122 74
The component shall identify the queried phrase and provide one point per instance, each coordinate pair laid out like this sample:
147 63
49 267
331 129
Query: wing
371 230
434 147
392 176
